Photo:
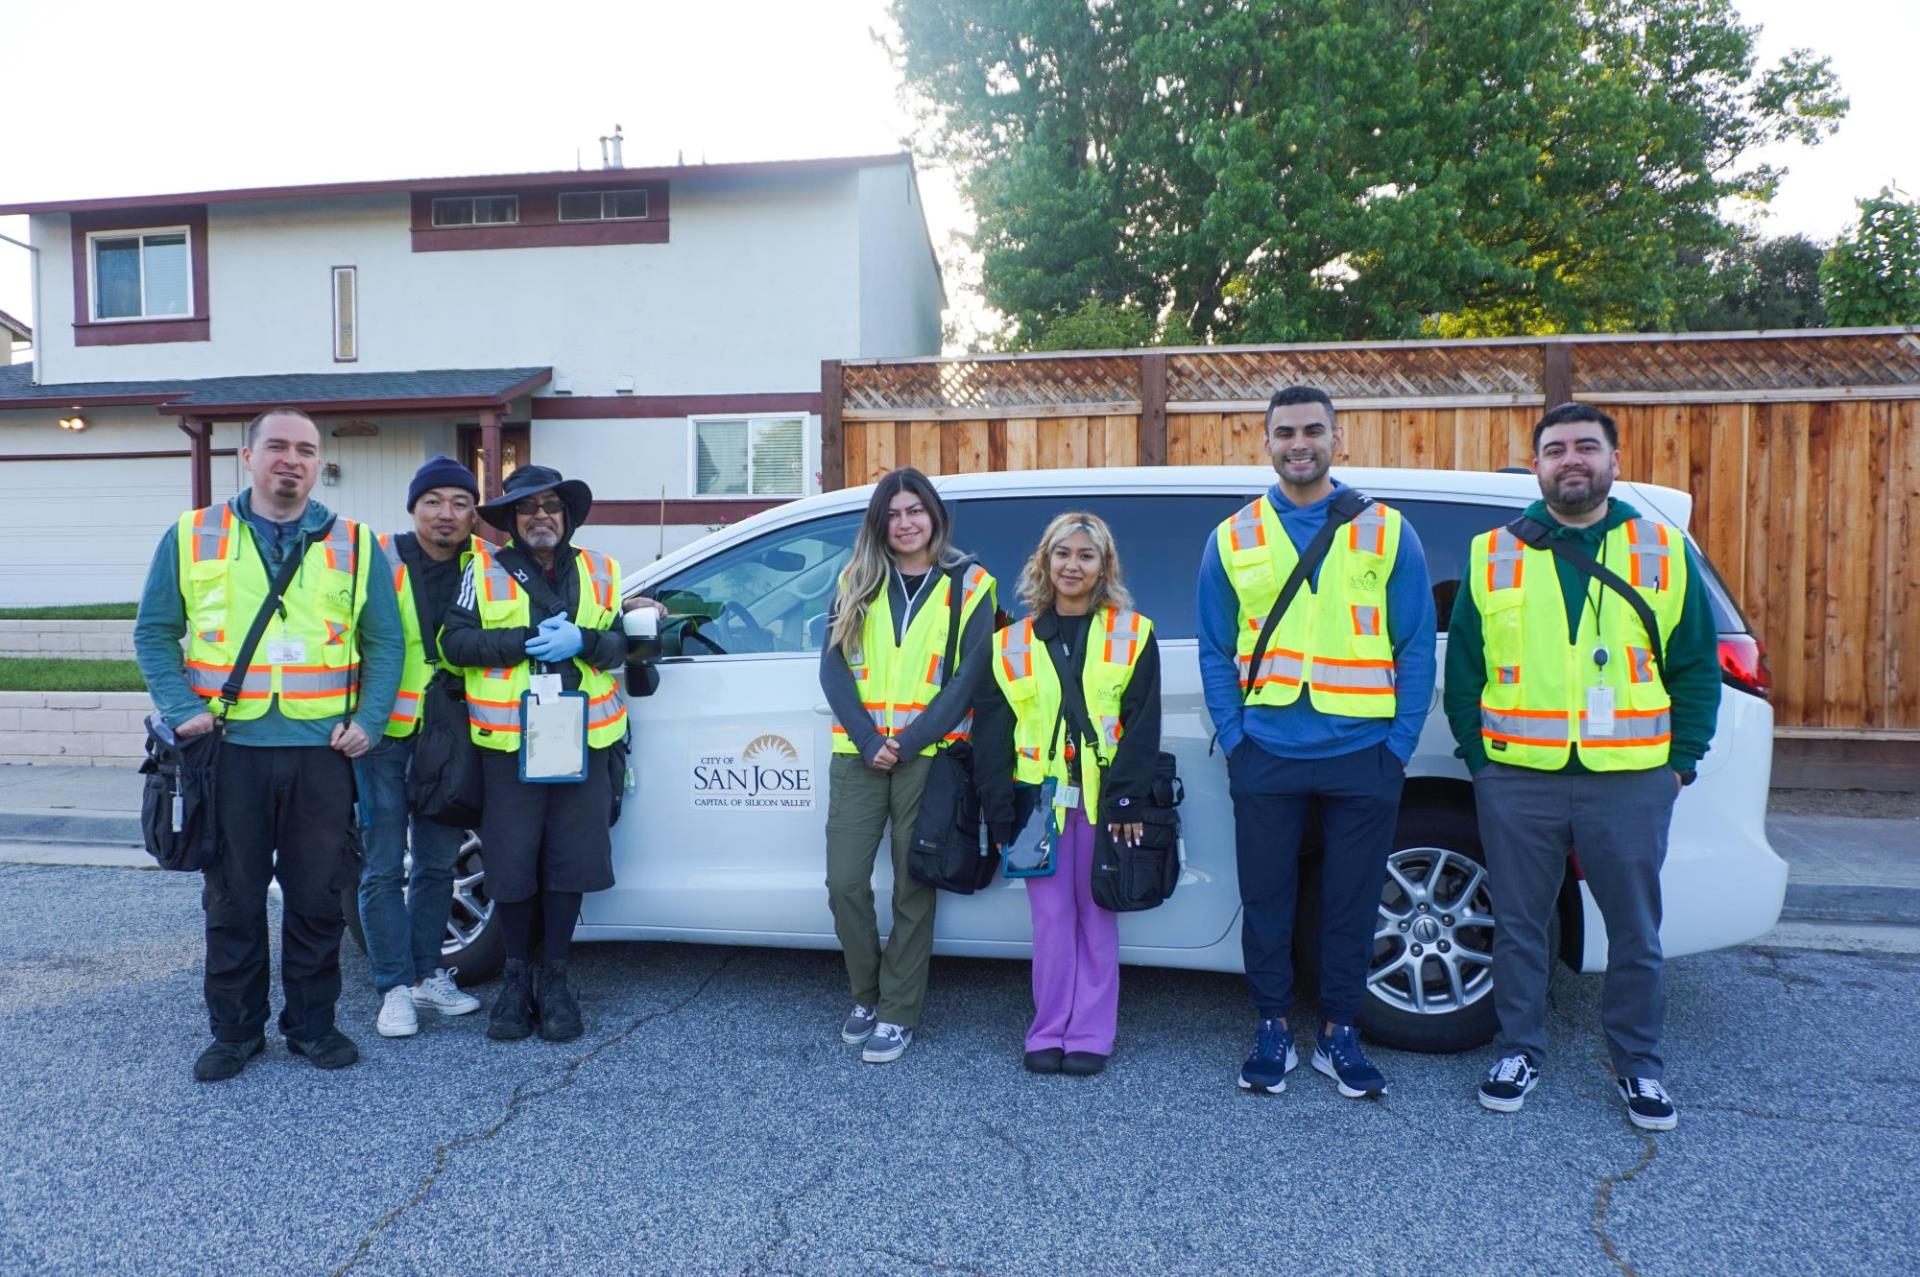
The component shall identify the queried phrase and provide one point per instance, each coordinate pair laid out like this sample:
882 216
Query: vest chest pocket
1504 632
207 586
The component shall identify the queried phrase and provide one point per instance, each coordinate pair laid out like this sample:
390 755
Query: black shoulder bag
1538 535
1128 878
443 780
179 802
948 850
1348 505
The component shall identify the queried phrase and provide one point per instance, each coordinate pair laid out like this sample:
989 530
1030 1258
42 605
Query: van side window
771 594
1447 530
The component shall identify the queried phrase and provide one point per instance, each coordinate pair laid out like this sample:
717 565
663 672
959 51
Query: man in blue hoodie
1324 714
328 662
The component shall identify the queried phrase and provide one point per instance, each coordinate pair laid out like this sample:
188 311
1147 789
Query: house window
346 314
477 210
749 456
141 274
604 206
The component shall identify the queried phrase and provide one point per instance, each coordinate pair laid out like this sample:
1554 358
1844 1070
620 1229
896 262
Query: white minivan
723 836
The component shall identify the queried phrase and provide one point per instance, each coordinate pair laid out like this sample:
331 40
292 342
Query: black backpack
1126 879
443 783
948 850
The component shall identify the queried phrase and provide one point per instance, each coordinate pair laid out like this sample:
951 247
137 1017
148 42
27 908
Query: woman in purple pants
1097 747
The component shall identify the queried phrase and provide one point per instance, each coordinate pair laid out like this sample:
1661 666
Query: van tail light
1743 664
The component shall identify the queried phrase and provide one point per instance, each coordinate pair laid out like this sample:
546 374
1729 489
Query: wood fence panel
923 446
1023 440
1903 567
1844 570
1878 514
1123 440
971 447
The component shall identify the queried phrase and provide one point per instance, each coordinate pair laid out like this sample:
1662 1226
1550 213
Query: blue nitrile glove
557 640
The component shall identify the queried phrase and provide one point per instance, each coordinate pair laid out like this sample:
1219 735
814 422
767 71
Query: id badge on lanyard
1599 700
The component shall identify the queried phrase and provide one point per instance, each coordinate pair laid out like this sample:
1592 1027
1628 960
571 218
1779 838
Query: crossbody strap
1348 505
955 599
1538 535
230 693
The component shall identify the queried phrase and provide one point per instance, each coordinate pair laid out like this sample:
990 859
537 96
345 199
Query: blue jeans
404 931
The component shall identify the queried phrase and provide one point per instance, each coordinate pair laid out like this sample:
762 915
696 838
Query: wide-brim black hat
531 481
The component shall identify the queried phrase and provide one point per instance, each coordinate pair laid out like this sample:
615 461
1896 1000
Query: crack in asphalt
1019 1151
759 1266
1603 1197
1788 979
523 1094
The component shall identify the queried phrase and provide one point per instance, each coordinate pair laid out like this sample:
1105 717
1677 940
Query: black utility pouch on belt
179 800
1130 878
948 850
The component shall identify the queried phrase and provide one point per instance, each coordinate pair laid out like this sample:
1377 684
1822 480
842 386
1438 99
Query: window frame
139 233
560 206
748 419
471 201
352 274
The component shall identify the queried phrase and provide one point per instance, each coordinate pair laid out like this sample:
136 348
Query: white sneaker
888 1043
397 1019
439 993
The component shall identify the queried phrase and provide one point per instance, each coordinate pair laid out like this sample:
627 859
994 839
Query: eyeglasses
552 505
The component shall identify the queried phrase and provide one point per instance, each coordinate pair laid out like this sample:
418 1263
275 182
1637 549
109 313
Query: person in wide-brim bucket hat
531 481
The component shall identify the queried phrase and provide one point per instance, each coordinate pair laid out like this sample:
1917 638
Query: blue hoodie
1299 730
162 624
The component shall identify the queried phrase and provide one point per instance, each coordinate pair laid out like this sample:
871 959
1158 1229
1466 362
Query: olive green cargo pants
860 804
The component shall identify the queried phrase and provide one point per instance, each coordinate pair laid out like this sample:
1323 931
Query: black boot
559 1013
512 1016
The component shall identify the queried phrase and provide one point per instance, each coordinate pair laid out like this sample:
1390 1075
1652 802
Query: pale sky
246 94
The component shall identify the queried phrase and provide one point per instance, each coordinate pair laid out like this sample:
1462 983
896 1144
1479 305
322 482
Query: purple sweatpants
1076 952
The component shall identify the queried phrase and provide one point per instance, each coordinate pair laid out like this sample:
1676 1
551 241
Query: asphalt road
711 1122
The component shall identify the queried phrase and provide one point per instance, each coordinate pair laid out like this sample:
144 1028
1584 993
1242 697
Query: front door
516 449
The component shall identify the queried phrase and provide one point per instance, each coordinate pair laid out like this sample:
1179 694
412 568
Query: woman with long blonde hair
895 705
1097 750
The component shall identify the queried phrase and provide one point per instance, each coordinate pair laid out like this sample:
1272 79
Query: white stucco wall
900 299
760 281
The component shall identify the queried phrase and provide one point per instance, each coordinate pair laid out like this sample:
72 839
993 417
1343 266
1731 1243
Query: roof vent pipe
610 156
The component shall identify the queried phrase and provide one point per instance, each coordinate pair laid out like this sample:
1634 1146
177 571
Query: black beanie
440 472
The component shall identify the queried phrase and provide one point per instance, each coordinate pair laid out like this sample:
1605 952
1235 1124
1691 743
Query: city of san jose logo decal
734 769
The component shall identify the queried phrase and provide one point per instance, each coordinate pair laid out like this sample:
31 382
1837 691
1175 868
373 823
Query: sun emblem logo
769 746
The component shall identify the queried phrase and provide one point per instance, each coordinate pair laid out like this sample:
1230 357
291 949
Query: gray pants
861 803
1616 822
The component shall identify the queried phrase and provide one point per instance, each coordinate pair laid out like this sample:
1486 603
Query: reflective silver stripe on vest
1352 678
317 682
1369 530
493 717
902 717
1018 644
258 682
1366 620
1640 664
392 551
963 729
1652 727
1246 528
1504 554
1123 636
599 571
499 582
1649 556
1526 727
608 710
1275 665
1110 731
209 530
342 543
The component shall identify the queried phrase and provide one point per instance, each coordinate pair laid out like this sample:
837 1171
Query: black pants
285 812
1358 796
545 837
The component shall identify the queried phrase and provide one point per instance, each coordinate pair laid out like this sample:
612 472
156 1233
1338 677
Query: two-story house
657 332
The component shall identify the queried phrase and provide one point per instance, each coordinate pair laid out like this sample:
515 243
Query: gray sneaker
859 1025
888 1043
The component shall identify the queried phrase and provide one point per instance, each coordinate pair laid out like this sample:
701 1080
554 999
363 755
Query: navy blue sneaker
1272 1059
1338 1055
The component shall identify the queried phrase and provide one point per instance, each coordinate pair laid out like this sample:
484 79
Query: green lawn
34 674
72 612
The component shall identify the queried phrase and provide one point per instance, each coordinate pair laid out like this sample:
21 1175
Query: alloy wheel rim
1433 940
472 910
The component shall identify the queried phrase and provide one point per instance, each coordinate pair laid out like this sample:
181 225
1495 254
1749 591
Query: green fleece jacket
1692 655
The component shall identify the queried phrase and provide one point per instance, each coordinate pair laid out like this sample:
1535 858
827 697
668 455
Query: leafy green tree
1759 283
1298 169
1871 275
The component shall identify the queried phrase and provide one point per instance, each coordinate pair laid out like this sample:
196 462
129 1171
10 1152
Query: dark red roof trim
604 407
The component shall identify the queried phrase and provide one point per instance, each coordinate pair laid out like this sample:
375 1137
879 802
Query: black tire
482 954
1386 1015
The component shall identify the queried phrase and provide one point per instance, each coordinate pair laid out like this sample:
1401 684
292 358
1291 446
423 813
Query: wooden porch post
490 452
833 443
200 458
1153 408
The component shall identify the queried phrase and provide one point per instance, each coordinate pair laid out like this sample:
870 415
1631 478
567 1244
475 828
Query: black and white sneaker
1649 1107
1508 1082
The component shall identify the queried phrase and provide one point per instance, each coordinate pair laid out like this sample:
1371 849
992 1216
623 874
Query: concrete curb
96 828
1833 902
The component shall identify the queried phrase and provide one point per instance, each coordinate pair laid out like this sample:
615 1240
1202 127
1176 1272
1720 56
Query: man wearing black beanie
405 931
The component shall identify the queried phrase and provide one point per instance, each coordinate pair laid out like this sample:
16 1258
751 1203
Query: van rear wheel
473 942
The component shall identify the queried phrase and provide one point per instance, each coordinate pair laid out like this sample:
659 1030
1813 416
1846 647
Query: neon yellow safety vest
897 681
1533 711
308 656
1334 637
493 695
1031 685
417 670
